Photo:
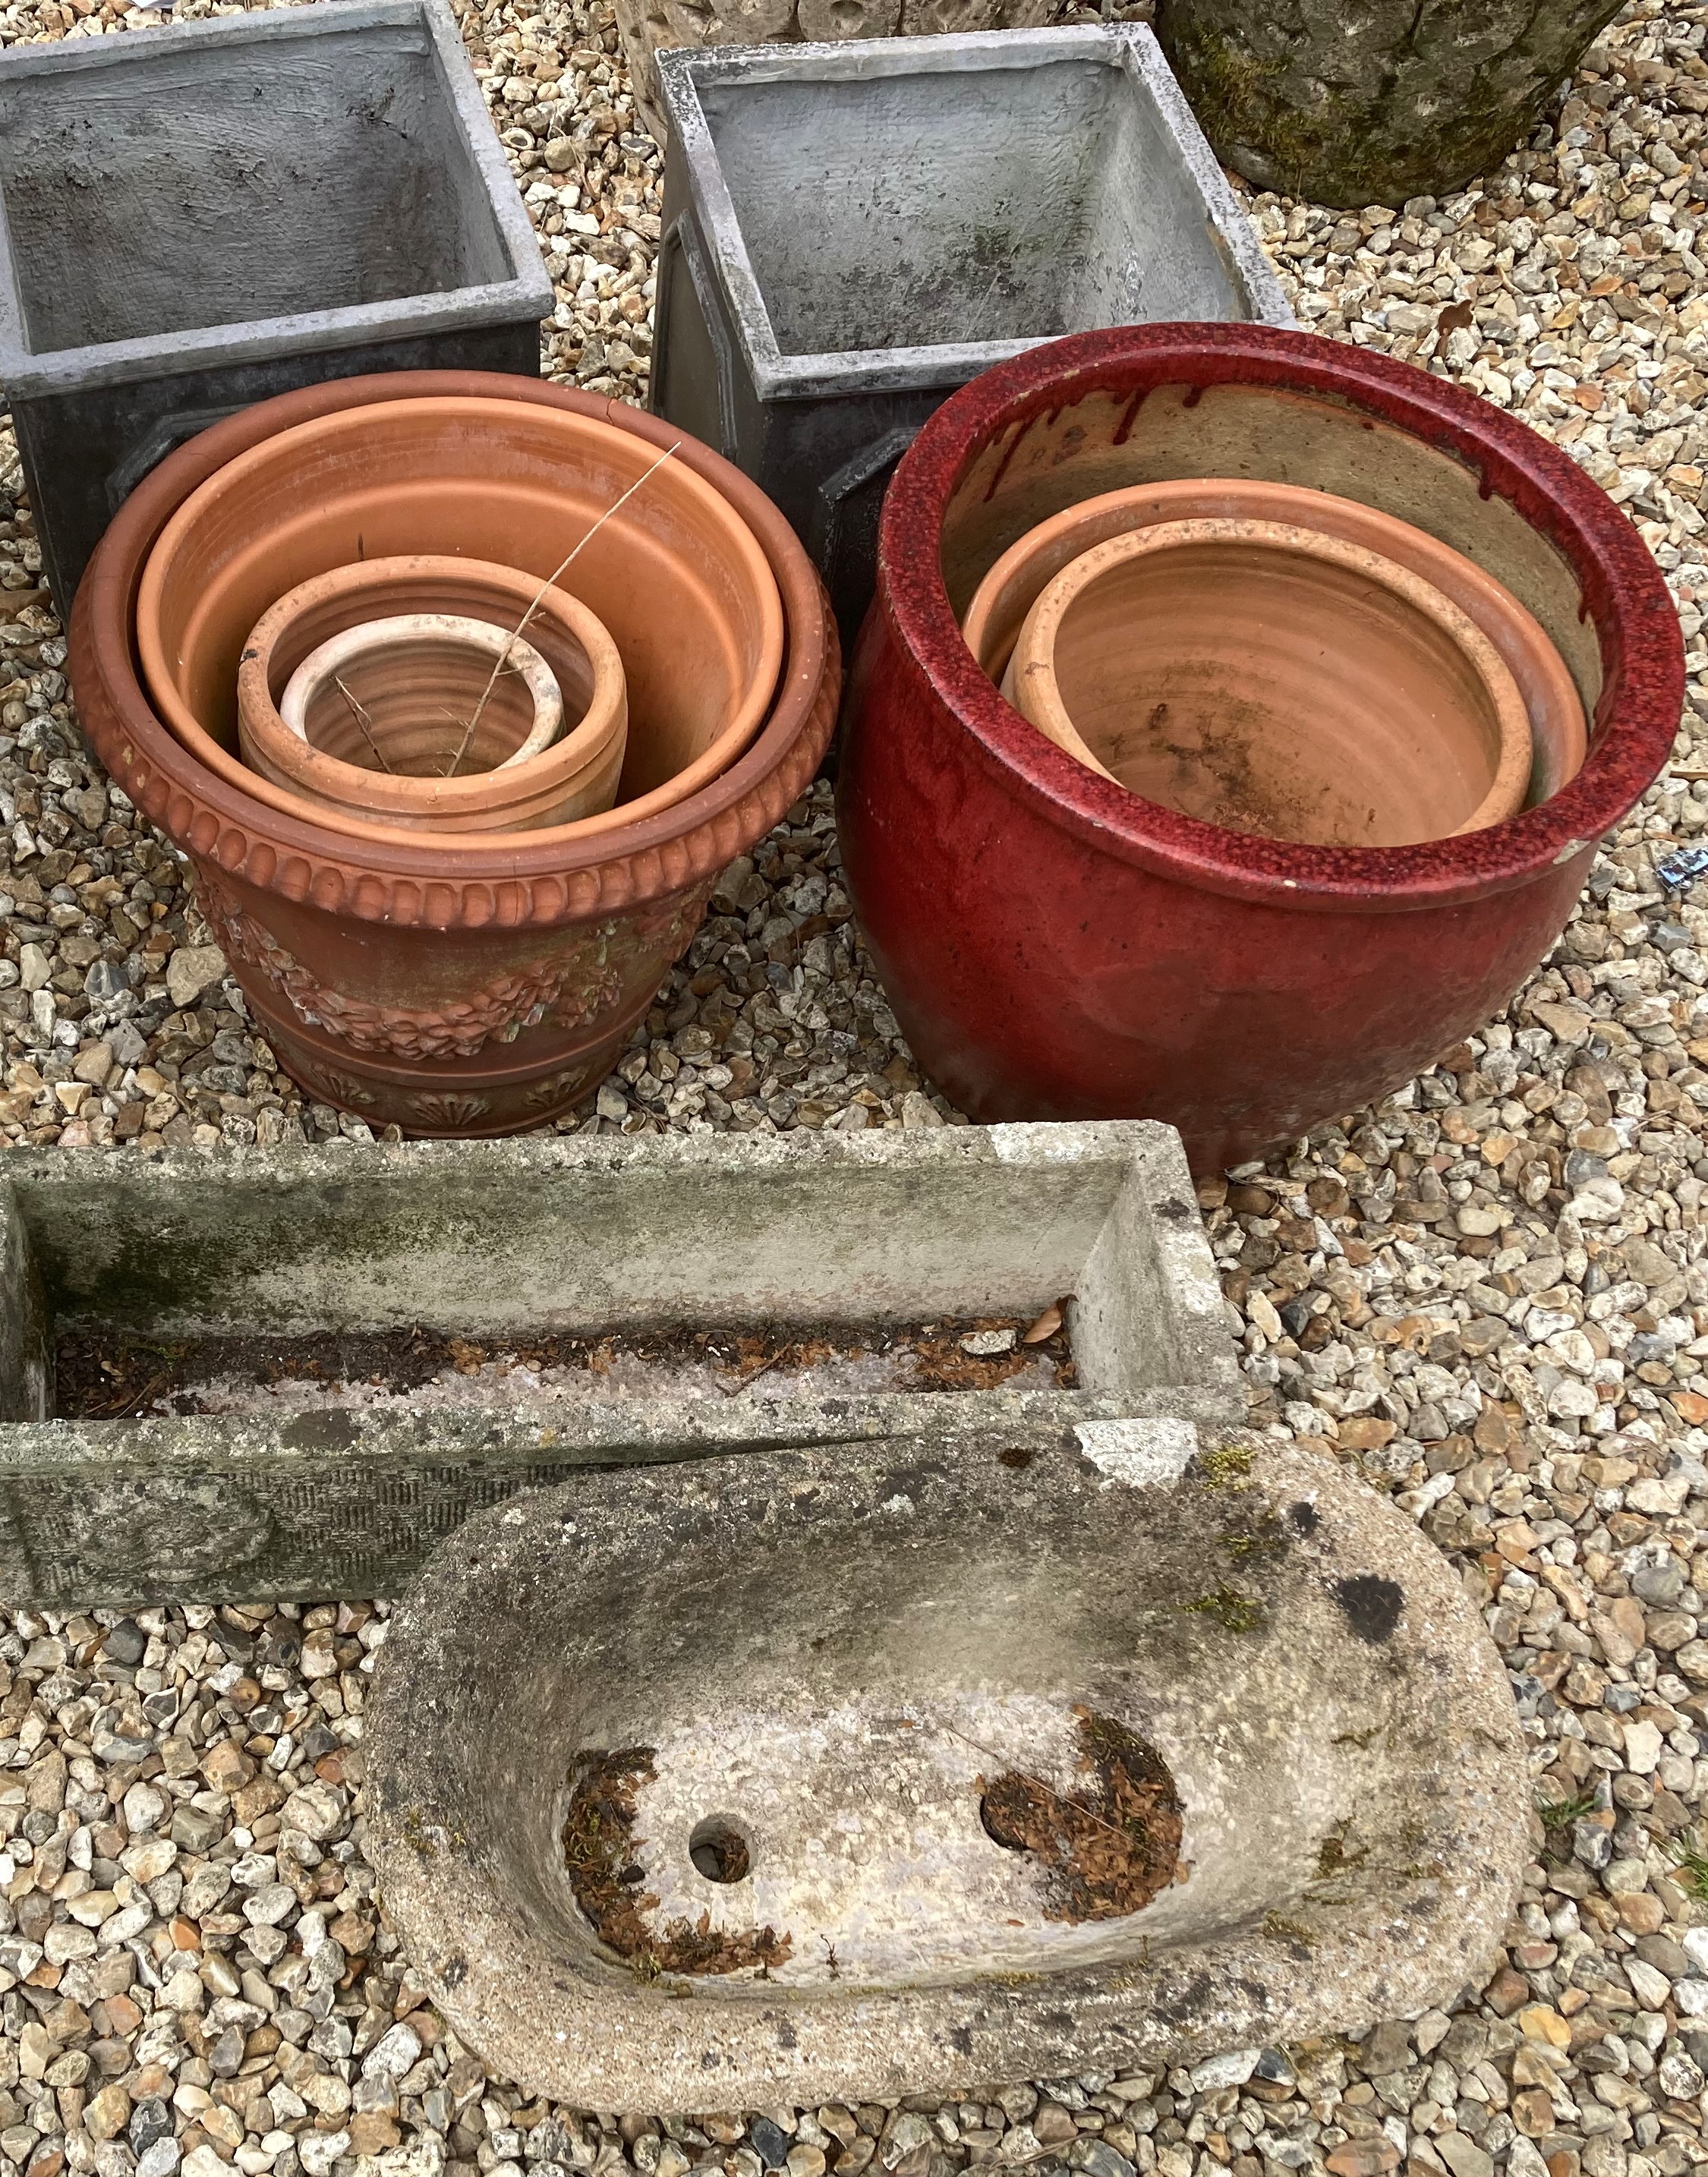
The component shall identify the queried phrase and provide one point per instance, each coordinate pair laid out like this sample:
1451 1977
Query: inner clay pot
1275 681
425 696
575 776
674 574
1558 737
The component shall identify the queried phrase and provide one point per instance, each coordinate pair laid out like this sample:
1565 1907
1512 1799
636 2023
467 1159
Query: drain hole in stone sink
720 1851
1110 1842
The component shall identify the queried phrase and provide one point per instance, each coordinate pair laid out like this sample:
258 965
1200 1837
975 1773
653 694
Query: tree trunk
1352 102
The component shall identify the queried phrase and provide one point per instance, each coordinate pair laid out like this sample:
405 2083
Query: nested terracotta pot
1055 948
1009 590
675 573
485 988
574 776
1345 703
423 695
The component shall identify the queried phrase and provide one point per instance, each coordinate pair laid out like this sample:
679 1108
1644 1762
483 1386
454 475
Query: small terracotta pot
1275 681
674 575
1558 734
575 776
480 987
422 696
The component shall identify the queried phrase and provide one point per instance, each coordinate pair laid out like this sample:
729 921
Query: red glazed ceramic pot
1055 947
477 995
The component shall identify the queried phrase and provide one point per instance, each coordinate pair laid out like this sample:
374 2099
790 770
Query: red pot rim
1636 718
660 856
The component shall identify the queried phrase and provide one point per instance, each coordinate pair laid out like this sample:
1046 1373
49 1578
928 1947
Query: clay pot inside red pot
1345 703
1054 946
318 775
674 574
479 995
1012 586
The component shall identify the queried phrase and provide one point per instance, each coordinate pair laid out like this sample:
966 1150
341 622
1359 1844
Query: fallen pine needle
363 721
539 594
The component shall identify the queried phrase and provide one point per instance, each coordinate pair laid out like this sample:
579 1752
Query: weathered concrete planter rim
660 857
23 372
1129 46
1636 720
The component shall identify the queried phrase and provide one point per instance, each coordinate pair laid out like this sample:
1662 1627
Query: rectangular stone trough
821 291
528 1240
197 219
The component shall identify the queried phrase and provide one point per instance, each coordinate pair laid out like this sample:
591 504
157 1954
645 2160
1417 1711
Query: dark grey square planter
853 230
194 220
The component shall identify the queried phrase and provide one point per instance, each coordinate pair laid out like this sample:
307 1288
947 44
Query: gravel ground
1491 1293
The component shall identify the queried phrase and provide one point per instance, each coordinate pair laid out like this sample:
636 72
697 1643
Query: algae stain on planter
1372 1604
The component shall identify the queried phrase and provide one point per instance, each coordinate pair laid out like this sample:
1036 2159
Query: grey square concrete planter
193 220
497 1240
853 230
821 1665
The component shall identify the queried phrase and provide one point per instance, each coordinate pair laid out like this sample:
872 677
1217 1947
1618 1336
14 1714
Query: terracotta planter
1007 592
576 776
1055 947
675 574
483 990
1344 702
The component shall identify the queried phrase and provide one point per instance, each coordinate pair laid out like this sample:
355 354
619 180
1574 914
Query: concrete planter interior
817 298
1117 957
517 1241
847 1715
197 219
458 984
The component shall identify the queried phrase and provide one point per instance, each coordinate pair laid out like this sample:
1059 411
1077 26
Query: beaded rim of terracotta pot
1621 591
658 858
279 773
1448 714
1006 594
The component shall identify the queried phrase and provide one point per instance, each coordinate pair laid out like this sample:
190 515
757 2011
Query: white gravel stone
1489 1292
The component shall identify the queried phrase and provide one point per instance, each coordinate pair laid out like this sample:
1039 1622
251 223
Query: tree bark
1352 102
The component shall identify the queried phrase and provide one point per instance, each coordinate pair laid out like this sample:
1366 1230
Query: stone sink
815 1775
